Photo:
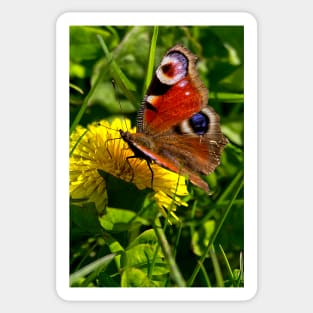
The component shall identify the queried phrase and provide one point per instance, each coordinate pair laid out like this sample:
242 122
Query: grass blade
216 267
86 101
236 185
102 262
119 77
175 272
150 69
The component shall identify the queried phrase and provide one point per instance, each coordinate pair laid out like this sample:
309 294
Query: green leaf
104 95
77 70
220 72
147 237
124 194
119 220
234 131
201 237
83 41
234 81
232 36
144 254
85 218
134 277
106 280
141 256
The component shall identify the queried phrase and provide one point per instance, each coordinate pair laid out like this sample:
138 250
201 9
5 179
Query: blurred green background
211 228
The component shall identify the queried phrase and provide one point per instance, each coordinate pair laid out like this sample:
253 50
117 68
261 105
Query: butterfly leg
132 170
148 163
106 146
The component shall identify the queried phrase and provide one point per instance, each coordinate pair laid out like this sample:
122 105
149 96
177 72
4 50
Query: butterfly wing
175 93
175 126
182 154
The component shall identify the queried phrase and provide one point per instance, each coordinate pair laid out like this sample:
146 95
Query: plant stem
174 270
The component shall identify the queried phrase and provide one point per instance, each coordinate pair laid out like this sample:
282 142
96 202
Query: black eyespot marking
157 87
199 123
181 58
173 68
149 106
177 66
167 69
178 129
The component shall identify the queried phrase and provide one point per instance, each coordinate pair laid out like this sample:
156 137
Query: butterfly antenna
117 130
115 87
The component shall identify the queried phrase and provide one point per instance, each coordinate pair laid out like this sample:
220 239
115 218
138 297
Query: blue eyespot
199 123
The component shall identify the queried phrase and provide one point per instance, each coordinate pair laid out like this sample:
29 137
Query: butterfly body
175 127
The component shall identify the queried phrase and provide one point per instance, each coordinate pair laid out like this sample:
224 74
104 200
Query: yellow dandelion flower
99 147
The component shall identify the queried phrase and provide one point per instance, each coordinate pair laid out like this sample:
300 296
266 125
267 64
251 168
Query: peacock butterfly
175 127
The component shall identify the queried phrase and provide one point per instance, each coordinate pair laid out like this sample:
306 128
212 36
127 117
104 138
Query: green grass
131 245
